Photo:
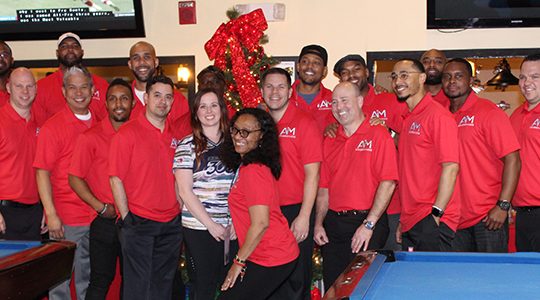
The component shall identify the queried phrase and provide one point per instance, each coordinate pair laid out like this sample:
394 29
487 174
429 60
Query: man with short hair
433 61
490 164
50 98
142 182
67 217
20 210
89 178
349 219
6 63
428 164
526 123
308 92
300 143
143 63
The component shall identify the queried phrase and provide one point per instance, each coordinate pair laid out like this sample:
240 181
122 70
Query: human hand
300 228
319 235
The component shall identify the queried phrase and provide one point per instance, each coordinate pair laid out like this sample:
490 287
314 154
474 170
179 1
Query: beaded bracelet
241 263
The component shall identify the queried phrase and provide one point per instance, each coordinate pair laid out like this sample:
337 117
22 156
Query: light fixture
183 74
503 76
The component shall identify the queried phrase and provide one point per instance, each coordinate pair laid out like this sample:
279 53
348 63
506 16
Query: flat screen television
444 14
48 19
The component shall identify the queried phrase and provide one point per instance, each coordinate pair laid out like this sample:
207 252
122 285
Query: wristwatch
504 205
437 212
369 224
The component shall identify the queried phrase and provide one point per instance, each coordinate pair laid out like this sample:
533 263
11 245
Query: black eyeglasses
243 132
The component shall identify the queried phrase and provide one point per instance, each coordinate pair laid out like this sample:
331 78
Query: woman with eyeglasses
268 250
203 184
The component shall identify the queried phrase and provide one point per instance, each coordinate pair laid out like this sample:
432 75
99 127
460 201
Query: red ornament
315 293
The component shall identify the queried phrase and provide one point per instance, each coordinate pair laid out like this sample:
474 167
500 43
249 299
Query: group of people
132 171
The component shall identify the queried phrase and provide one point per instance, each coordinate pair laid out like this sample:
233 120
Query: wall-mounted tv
48 19
442 14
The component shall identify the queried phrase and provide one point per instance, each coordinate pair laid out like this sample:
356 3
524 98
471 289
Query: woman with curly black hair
268 250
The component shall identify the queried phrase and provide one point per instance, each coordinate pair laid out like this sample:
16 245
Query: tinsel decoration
236 49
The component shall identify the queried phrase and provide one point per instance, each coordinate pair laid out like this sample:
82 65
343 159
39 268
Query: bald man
348 219
20 209
433 61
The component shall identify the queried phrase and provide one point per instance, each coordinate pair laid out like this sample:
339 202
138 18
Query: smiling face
311 69
529 82
354 72
22 88
142 61
433 61
209 111
78 91
119 103
248 123
159 100
408 80
347 104
276 92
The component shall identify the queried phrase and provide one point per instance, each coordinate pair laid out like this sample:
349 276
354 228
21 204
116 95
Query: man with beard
50 99
89 178
433 61
67 217
428 164
308 92
143 64
6 62
490 164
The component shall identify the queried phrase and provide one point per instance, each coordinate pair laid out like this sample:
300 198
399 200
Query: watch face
436 212
504 205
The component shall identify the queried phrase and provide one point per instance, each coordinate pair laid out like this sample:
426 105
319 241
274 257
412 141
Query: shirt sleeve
184 156
384 164
260 185
311 143
445 139
499 133
120 155
324 179
83 155
47 150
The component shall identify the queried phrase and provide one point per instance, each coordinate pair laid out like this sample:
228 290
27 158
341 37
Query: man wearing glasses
428 164
6 63
300 142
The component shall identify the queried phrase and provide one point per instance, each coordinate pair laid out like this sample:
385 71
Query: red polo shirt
17 150
428 138
90 160
255 185
320 108
50 100
142 157
526 124
386 107
55 146
300 143
4 97
485 136
179 107
442 98
364 159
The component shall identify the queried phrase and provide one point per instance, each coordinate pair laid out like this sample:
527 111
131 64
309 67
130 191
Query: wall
342 26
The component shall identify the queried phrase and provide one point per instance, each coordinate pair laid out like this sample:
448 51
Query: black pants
337 253
528 229
427 236
478 238
151 251
205 263
22 222
105 250
300 280
260 282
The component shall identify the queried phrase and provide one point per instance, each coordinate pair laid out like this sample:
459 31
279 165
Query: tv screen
483 13
48 19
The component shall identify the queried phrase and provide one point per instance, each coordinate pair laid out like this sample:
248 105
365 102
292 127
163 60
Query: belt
352 212
527 208
9 203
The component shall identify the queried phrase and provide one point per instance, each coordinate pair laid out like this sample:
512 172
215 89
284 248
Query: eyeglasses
243 132
5 55
402 75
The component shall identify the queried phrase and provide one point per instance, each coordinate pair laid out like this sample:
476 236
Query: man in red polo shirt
6 63
428 164
490 164
526 123
20 211
433 61
360 154
143 63
308 92
89 178
384 107
300 142
67 216
142 182
50 98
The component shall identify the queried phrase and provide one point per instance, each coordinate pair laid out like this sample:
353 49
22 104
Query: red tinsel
245 31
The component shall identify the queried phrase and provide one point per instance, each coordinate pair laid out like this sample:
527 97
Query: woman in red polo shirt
268 250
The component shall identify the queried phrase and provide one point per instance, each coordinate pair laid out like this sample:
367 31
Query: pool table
29 268
439 275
